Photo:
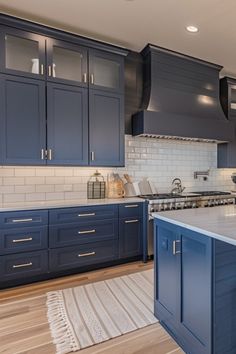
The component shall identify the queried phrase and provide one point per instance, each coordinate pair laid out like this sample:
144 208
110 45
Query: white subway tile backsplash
158 159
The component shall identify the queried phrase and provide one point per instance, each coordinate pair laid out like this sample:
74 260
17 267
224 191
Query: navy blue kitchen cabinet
195 291
106 128
42 244
130 230
22 53
22 120
67 63
106 71
67 125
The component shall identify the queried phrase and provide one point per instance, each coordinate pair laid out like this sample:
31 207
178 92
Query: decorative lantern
96 186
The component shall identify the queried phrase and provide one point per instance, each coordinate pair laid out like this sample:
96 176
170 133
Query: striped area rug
86 315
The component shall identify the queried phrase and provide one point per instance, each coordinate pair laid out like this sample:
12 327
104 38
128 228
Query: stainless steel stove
168 201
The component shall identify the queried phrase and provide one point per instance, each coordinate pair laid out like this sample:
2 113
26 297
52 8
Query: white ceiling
134 23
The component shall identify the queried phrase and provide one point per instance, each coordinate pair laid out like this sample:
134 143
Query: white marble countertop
65 203
217 222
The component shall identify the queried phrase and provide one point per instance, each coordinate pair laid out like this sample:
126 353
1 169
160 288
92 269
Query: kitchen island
195 278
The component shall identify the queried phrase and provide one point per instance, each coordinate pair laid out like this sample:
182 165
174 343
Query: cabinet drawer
82 214
27 218
23 239
72 234
83 255
23 265
130 209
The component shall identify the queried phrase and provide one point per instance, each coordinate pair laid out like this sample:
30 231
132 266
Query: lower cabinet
82 255
130 237
48 242
195 291
23 265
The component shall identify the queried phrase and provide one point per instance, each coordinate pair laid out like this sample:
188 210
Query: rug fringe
62 333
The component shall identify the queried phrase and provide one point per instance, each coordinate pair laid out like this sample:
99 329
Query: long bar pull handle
22 220
85 77
131 221
49 154
23 240
42 69
49 70
42 154
22 265
92 79
92 155
131 206
87 214
86 254
174 247
87 232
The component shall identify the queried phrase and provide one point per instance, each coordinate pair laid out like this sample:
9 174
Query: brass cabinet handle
174 247
86 254
87 214
22 220
42 69
131 206
87 232
92 79
23 240
49 70
92 155
22 265
84 77
131 221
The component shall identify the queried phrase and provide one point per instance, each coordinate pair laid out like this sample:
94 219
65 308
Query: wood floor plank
24 328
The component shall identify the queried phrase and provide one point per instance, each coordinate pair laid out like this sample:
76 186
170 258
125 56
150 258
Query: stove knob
194 205
216 202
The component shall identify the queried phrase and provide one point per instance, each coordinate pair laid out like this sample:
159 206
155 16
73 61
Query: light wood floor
24 327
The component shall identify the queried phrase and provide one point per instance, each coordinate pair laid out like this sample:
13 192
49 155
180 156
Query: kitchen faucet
177 189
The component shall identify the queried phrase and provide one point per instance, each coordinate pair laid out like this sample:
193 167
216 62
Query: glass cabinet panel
21 54
106 73
67 64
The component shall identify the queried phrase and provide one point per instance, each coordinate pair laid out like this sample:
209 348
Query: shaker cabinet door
67 125
106 128
22 53
22 120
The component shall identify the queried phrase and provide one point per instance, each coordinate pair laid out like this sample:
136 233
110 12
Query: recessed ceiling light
192 29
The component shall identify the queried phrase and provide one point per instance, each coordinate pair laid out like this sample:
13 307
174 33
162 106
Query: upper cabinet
22 53
67 63
228 97
62 101
106 71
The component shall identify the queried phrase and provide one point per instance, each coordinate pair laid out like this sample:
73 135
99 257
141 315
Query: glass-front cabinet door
66 63
106 71
23 53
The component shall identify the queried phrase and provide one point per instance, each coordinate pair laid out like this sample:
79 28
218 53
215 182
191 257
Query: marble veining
218 222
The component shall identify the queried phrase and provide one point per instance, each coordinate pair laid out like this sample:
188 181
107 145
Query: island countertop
218 222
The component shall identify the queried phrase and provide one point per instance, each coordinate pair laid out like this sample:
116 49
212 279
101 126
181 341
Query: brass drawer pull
87 214
87 232
23 240
131 206
131 221
22 220
174 247
23 265
86 254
